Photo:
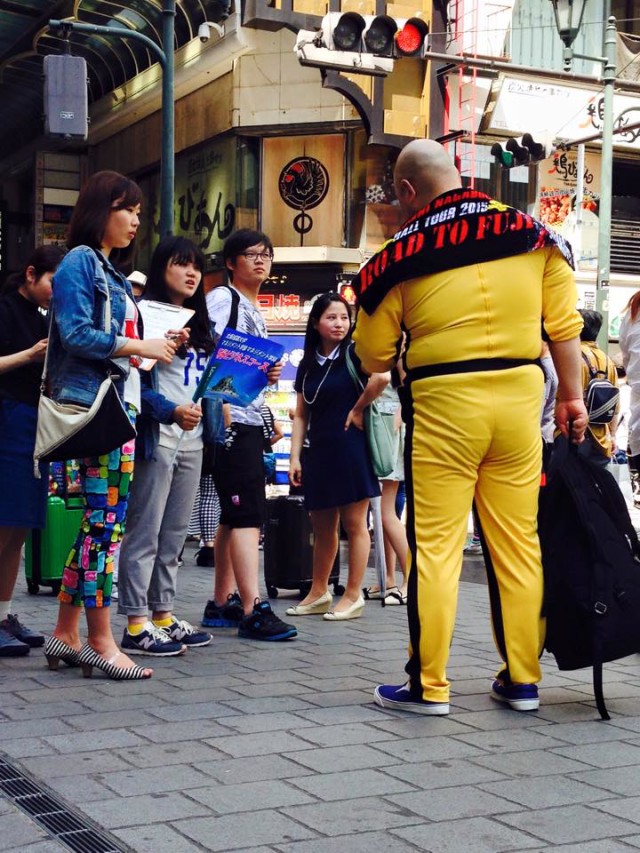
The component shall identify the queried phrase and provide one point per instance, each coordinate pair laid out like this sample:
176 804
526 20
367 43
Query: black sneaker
182 632
25 635
228 615
263 624
151 641
9 646
205 557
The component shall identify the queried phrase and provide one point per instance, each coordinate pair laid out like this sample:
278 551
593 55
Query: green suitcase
46 550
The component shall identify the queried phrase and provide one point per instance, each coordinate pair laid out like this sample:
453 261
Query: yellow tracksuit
474 436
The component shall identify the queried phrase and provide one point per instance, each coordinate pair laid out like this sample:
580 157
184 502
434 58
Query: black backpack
600 396
591 562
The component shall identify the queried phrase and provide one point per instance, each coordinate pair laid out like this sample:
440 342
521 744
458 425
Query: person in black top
23 344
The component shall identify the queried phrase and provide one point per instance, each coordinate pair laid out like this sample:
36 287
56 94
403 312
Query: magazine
237 370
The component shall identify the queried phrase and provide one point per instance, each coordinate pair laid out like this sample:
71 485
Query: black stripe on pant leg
413 665
494 596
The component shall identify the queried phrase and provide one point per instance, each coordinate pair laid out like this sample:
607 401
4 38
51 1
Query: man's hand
38 351
572 419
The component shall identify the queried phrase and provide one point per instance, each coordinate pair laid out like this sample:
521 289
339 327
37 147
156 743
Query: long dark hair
180 250
43 259
312 336
102 193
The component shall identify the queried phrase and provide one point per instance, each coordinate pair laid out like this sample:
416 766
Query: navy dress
336 469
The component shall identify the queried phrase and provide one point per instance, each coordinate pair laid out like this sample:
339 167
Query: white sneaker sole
437 709
518 704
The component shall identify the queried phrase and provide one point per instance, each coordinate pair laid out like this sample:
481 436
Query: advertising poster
556 203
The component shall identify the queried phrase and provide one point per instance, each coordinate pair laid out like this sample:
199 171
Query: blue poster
237 370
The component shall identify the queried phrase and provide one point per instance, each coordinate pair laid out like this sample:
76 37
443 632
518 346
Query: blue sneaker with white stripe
520 697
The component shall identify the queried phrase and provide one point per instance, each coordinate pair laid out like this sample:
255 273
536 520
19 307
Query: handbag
382 438
73 431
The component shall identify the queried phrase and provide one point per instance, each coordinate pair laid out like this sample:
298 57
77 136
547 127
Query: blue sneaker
227 615
520 697
12 625
263 624
151 641
399 698
181 631
10 646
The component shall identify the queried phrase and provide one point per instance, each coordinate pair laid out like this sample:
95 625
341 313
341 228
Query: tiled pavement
248 746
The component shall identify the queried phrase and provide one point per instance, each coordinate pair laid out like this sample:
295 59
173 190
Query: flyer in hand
237 370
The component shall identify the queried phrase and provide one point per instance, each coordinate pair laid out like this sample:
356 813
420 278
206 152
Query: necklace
320 384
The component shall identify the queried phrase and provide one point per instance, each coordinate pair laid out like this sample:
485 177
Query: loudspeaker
65 96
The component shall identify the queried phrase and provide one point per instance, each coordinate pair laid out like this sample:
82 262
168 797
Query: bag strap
353 372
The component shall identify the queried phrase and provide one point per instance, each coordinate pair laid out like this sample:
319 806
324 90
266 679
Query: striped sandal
89 659
56 650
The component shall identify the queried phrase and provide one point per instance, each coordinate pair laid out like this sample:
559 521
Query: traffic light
521 151
364 44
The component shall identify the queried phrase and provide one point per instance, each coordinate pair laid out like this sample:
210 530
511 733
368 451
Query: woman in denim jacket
82 352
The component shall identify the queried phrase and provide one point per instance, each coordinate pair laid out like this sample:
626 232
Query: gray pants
162 496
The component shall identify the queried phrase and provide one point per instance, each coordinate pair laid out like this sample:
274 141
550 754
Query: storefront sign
303 190
281 309
567 112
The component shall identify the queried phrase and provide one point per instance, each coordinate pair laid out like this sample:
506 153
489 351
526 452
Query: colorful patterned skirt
88 572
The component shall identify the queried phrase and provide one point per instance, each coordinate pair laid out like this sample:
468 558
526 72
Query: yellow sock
135 628
163 623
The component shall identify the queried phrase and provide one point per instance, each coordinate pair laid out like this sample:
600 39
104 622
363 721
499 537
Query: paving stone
159 807
32 728
615 755
229 833
176 752
364 842
138 780
618 780
606 846
26 711
26 747
78 789
444 774
365 814
183 730
569 824
254 723
231 799
626 807
351 784
74 765
540 792
245 746
235 770
530 763
90 741
16 830
588 732
155 838
516 741
192 710
337 758
350 733
447 804
48 846
96 720
470 835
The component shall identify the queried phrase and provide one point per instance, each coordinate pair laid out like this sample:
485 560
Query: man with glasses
238 470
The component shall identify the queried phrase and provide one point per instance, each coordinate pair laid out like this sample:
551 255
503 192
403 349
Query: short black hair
592 324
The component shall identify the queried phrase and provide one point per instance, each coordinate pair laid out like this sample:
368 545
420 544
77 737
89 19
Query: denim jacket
80 350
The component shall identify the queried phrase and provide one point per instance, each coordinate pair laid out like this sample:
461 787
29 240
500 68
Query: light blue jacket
80 349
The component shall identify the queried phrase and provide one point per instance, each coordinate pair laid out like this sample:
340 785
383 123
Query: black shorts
238 474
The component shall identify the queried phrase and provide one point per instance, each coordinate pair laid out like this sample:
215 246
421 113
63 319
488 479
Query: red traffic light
410 39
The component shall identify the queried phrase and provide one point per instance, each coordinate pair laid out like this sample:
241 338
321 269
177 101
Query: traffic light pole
165 56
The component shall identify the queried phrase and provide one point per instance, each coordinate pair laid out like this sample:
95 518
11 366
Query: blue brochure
237 370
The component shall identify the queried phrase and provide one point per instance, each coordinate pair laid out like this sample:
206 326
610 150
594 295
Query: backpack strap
353 372
235 301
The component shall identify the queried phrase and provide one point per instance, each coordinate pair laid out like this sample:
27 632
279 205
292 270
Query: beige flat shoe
320 605
353 612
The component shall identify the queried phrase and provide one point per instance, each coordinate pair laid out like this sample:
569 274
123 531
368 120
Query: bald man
468 279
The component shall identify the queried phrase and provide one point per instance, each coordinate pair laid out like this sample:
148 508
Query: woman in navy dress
337 478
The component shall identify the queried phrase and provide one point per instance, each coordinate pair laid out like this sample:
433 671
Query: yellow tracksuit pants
474 437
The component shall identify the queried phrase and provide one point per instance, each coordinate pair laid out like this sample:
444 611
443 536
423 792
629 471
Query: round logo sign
303 183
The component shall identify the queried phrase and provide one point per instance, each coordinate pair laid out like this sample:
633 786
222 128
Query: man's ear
407 190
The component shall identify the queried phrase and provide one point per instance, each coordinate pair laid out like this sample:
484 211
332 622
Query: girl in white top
168 464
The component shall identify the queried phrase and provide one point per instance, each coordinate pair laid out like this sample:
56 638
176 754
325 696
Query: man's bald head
423 171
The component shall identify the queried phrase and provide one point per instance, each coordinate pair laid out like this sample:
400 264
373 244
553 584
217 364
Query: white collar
331 357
